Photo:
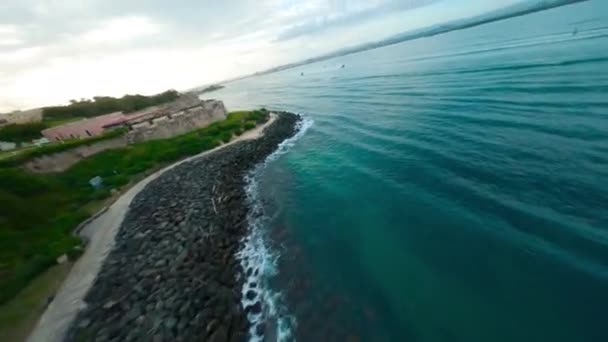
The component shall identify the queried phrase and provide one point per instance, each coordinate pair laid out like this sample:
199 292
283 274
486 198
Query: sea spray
259 261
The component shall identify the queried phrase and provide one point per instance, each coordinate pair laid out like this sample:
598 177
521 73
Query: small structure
96 182
7 145
40 142
21 117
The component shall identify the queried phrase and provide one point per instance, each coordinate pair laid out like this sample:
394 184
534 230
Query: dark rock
172 273
251 295
133 313
49 300
239 336
110 304
84 323
212 325
260 329
184 308
219 335
254 309
171 322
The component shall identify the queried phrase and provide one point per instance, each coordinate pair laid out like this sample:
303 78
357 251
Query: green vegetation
34 152
22 133
52 122
20 315
38 212
104 104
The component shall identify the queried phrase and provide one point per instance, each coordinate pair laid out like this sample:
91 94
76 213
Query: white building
21 117
40 142
7 146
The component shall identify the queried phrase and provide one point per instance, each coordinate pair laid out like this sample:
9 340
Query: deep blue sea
451 188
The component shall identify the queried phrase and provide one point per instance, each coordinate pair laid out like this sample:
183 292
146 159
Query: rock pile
173 274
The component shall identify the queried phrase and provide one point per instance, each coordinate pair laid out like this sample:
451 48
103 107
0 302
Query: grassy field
50 122
38 212
22 132
22 156
20 315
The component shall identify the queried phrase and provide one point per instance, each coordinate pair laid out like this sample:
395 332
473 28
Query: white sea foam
257 255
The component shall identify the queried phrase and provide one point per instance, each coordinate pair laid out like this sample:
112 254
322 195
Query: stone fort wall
183 121
61 161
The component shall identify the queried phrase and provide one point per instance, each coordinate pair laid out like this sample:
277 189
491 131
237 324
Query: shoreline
259 258
101 233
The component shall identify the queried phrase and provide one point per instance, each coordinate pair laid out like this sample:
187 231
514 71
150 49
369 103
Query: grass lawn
23 155
15 152
52 122
20 315
5 154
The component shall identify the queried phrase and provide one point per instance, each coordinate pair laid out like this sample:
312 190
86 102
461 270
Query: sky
52 51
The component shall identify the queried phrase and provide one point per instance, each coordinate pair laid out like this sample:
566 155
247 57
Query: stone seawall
62 161
173 274
176 123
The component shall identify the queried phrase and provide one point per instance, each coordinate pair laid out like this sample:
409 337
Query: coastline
104 232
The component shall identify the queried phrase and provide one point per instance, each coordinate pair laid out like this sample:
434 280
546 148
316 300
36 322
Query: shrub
226 137
100 105
22 132
24 275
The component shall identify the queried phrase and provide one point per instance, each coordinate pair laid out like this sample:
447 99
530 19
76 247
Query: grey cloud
190 21
53 26
318 25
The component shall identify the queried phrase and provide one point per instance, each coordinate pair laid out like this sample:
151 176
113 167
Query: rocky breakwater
173 274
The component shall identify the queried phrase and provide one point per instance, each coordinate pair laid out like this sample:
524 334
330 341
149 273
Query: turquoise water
453 188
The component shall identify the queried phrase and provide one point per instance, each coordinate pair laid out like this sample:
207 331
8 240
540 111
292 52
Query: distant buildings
21 117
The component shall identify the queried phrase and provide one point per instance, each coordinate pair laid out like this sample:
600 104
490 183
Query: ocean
451 188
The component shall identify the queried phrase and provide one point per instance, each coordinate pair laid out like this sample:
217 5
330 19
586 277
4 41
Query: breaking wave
259 260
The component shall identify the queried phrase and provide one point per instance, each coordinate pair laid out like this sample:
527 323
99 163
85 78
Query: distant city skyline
51 52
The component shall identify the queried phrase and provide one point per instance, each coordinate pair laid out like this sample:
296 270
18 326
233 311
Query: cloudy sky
52 51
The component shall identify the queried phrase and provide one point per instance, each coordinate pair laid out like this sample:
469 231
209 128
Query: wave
259 260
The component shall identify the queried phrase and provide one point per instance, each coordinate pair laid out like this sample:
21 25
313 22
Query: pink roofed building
84 128
95 126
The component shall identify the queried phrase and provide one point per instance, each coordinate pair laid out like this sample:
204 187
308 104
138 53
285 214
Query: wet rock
254 309
260 329
212 325
171 322
251 295
110 304
239 336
